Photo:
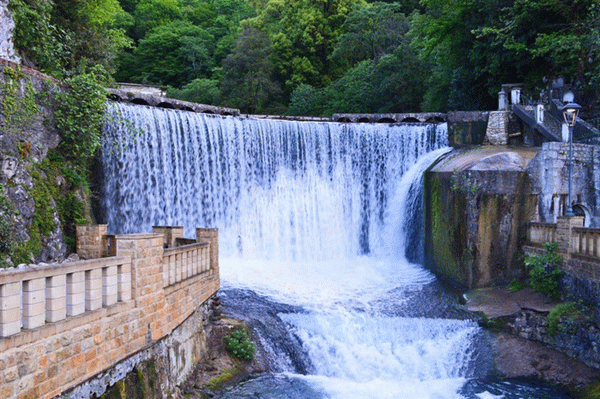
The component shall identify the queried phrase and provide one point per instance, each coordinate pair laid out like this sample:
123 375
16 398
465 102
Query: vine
19 107
80 115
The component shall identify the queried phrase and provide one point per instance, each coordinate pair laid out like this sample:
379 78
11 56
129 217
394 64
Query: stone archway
582 210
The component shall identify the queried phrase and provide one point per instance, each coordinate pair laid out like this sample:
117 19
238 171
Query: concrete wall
467 128
479 202
477 207
51 344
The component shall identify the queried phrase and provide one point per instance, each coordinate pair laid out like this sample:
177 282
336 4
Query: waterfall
320 190
319 227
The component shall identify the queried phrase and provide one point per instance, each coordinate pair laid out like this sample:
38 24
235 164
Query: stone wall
477 208
466 128
61 351
578 340
479 202
549 177
25 140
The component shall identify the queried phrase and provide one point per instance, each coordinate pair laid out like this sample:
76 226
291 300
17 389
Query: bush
570 311
544 272
515 285
239 345
6 224
80 115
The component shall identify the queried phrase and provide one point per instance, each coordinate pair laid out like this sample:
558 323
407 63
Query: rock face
7 25
35 189
518 357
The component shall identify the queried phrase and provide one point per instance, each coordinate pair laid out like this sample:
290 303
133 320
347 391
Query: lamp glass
570 112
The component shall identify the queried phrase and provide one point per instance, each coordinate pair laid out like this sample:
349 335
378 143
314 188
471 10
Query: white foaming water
310 214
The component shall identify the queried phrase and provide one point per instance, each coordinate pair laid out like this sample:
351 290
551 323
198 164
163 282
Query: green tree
371 31
304 33
151 14
70 35
80 115
202 91
173 54
247 74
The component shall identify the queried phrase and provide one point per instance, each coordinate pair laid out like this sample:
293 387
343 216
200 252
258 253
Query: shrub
570 310
239 345
544 272
515 285
6 224
80 115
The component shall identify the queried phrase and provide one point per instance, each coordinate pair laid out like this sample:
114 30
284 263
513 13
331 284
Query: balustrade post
93 289
212 236
564 234
124 282
34 303
10 309
75 293
109 285
56 298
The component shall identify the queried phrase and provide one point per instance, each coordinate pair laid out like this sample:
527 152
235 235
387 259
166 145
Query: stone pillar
91 241
56 298
10 309
212 236
170 234
502 103
75 293
539 114
564 228
497 128
93 289
515 96
109 286
146 253
34 303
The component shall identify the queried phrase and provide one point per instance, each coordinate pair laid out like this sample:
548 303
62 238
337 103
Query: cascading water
317 224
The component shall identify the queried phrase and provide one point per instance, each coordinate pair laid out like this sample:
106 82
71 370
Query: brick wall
64 324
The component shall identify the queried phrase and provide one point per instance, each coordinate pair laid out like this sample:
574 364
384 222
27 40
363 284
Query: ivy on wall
60 181
80 115
19 106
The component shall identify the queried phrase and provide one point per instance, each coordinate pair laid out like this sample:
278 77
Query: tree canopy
322 56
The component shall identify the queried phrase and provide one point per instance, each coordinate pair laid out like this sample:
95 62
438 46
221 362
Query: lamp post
570 112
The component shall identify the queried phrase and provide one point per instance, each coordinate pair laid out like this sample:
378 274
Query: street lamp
570 112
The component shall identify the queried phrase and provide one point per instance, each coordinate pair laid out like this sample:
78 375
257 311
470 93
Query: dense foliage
544 271
239 345
322 56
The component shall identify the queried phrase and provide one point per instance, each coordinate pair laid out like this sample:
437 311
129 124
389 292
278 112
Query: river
320 228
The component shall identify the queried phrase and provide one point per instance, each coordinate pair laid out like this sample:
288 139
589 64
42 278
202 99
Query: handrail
183 262
35 295
540 233
521 112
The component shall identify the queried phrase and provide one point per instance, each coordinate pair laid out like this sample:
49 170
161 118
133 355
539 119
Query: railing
32 297
540 233
586 241
183 262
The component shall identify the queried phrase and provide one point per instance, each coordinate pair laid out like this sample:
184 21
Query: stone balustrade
185 261
572 238
36 295
61 325
586 242
540 233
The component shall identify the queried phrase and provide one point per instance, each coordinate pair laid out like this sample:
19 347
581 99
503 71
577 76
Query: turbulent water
319 234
